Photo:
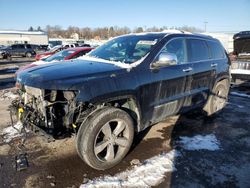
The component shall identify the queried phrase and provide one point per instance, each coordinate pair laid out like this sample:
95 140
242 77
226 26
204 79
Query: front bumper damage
52 113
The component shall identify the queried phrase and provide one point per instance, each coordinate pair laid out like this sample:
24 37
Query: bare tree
30 28
106 32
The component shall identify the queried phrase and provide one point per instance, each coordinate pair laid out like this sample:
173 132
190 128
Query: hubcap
219 99
111 140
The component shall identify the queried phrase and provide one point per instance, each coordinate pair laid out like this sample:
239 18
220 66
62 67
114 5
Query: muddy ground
56 164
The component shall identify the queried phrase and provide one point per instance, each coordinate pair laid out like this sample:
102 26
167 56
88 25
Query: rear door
20 50
13 50
203 74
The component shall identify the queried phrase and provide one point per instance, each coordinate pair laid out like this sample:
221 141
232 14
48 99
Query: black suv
122 87
24 50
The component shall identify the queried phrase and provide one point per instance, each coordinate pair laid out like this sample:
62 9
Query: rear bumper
241 76
240 70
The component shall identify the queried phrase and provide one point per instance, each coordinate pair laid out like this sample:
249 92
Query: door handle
189 69
214 65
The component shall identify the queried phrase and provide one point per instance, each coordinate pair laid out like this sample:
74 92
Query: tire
105 138
8 57
218 98
28 54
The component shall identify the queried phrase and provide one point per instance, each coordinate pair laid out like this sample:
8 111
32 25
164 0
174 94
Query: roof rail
176 31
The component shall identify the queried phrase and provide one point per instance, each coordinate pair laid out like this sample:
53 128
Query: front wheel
105 138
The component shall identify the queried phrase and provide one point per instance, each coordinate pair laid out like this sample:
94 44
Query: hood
66 75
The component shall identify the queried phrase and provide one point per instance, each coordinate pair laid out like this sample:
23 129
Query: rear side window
198 50
28 46
216 50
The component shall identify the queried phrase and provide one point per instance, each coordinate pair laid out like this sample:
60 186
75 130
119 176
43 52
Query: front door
163 91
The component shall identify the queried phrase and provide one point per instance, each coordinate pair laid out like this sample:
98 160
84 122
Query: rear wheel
105 138
28 54
8 57
218 98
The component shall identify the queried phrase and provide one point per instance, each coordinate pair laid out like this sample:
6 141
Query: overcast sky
220 15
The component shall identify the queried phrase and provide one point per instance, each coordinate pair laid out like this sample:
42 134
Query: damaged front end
50 112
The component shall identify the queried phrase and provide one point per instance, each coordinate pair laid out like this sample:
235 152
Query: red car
49 53
70 53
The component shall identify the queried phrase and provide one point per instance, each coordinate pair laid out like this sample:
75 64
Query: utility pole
205 26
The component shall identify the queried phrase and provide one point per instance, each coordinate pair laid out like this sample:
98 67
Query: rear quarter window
217 51
198 50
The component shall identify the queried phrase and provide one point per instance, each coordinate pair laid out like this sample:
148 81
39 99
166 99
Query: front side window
177 47
198 50
126 49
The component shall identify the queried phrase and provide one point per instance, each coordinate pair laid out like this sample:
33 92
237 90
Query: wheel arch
222 78
128 103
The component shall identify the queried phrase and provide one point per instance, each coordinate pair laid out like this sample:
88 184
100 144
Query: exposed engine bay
51 111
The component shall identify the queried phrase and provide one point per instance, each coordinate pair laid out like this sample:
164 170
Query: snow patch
240 71
150 173
7 95
116 63
12 132
199 142
239 94
239 106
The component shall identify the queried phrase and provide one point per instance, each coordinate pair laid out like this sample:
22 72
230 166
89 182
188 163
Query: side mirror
165 59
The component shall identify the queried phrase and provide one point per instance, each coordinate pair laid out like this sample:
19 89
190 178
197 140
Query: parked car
44 47
85 45
24 50
4 54
46 54
70 53
124 86
241 64
65 46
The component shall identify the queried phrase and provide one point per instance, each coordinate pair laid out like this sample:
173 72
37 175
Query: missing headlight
53 95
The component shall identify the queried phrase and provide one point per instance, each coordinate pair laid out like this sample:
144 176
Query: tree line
103 32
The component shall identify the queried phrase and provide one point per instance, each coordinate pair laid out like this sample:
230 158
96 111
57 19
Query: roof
176 32
22 32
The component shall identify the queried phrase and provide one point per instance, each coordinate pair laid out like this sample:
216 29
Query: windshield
59 56
127 49
55 48
5 48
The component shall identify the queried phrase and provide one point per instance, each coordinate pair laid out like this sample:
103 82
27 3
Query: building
23 37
